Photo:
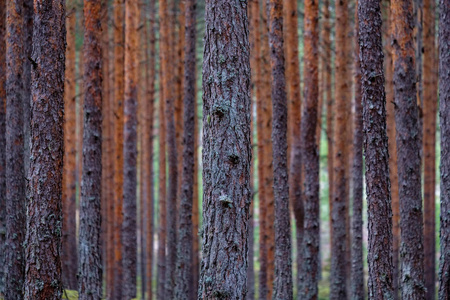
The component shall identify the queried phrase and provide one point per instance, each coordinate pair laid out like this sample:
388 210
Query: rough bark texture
444 113
90 264
408 154
184 280
226 152
130 151
44 211
283 266
15 176
310 155
118 145
69 242
357 273
340 157
393 174
295 105
2 141
376 151
429 110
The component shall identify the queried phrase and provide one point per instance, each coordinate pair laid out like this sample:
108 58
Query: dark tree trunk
90 264
444 113
129 226
283 265
44 215
69 239
340 158
310 155
226 152
357 274
184 281
15 176
2 141
408 154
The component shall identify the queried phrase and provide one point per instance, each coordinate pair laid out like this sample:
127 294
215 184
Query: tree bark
15 175
2 142
408 154
226 152
44 214
357 273
310 155
69 253
283 265
90 265
444 113
429 109
184 281
340 157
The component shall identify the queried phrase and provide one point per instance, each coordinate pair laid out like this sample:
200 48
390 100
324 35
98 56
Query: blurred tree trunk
43 241
408 151
2 141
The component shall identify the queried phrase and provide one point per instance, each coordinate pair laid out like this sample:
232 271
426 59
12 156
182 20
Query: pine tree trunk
90 264
2 142
357 273
226 152
340 157
408 153
15 175
44 217
444 113
69 242
283 265
119 144
429 109
195 211
310 155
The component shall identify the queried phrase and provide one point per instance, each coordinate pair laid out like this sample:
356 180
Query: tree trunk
295 106
283 264
376 151
2 142
357 273
408 154
226 152
195 211
184 280
69 239
44 214
429 109
310 155
119 144
15 175
90 265
393 174
444 113
340 157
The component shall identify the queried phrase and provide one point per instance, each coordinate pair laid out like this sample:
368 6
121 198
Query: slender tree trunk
393 175
444 113
340 152
226 152
184 283
357 273
408 155
2 142
419 49
195 211
90 265
310 155
295 105
43 241
80 96
376 151
119 144
283 264
69 242
429 110
15 175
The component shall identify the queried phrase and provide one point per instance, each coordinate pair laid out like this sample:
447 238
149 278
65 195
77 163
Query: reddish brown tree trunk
44 217
2 141
408 154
